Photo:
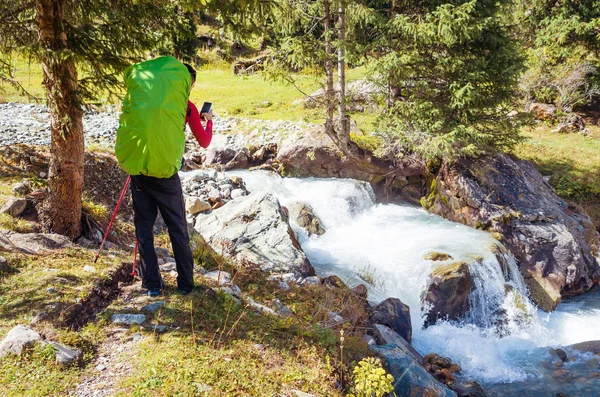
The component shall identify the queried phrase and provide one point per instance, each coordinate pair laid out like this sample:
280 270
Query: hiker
151 152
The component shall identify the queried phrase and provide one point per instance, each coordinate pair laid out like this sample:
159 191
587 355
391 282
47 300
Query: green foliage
561 42
371 379
453 73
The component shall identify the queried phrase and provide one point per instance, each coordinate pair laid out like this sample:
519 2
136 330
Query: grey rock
161 329
85 243
411 379
33 243
3 263
153 307
284 286
51 290
386 336
14 207
554 243
257 307
218 277
136 337
89 269
235 193
128 319
258 232
281 309
312 280
168 267
21 188
100 367
162 252
369 340
18 339
65 355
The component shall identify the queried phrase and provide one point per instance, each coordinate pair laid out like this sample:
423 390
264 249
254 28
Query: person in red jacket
192 118
151 195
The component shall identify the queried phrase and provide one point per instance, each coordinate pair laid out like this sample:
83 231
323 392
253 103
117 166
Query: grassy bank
571 160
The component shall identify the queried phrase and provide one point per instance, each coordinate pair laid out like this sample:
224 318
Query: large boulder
254 228
18 339
410 378
395 315
32 243
554 242
448 292
313 153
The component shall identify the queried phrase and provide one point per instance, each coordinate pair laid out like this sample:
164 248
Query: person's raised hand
207 116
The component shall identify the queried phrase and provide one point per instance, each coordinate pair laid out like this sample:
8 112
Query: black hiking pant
151 195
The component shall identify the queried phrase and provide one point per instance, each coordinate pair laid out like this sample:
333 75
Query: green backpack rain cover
151 137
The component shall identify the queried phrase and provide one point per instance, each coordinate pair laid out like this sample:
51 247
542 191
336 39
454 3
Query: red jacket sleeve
192 118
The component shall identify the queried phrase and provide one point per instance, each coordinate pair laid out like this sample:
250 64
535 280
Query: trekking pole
114 215
135 250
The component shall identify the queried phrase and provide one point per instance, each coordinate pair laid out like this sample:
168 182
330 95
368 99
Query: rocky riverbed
30 123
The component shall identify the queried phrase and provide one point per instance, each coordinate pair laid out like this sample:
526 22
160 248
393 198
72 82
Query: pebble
88 268
100 367
128 319
219 277
51 290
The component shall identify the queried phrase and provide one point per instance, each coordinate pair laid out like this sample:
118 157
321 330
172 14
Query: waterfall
384 246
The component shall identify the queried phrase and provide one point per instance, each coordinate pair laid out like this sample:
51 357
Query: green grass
244 96
571 160
23 294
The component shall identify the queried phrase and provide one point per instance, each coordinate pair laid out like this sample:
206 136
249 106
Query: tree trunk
61 211
344 125
329 90
339 132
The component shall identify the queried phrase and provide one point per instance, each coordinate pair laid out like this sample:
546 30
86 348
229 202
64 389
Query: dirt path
116 355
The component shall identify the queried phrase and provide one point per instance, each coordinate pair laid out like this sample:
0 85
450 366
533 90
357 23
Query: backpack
151 137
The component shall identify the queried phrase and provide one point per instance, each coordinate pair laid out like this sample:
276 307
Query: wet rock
448 292
395 315
305 216
128 319
14 207
437 256
469 389
386 336
361 291
19 339
411 379
194 205
554 243
560 353
589 347
256 231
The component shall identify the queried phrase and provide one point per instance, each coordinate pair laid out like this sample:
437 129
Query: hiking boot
153 293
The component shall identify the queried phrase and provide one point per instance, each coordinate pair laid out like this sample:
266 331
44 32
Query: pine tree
83 47
452 71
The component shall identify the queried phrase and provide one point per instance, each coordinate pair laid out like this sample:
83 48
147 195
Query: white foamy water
385 244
